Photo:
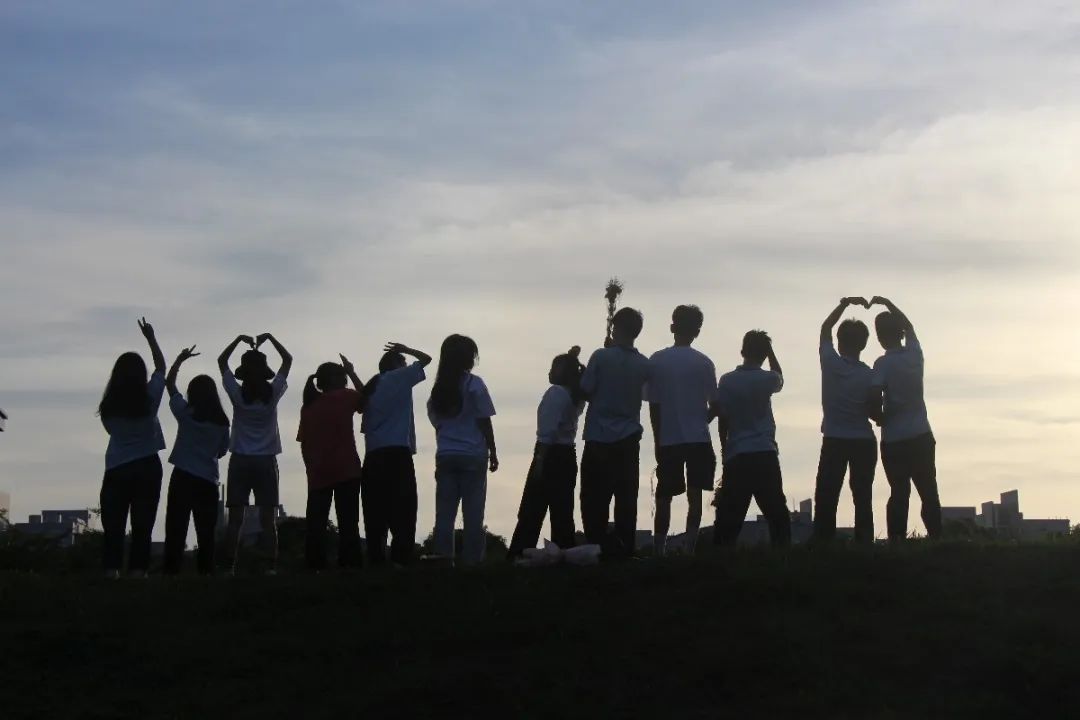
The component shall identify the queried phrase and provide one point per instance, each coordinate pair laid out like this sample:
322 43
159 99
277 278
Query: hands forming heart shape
857 300
256 341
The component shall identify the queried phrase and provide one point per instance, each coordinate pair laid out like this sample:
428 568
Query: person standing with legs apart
328 445
388 485
613 381
553 472
202 438
256 442
460 409
907 444
848 439
682 382
743 405
132 482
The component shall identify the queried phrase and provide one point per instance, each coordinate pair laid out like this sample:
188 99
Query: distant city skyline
348 174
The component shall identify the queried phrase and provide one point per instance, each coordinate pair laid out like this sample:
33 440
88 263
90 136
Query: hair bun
575 351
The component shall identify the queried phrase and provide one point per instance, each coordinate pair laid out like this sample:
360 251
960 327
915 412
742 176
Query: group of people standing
679 383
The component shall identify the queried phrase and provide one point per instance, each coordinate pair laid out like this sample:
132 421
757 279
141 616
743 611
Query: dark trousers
346 499
188 496
388 489
134 488
907 463
837 455
549 486
610 470
752 475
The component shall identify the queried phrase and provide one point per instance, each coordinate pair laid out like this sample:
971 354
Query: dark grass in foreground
926 631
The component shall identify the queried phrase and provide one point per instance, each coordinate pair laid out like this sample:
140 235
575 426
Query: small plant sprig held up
611 293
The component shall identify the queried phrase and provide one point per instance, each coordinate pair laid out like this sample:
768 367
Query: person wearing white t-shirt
388 482
848 440
908 447
682 382
460 409
614 382
549 486
743 405
132 481
255 391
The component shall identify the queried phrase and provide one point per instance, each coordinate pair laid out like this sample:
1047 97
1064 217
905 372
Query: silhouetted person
460 409
613 381
389 481
848 439
907 443
132 482
202 438
255 442
748 441
328 445
552 477
682 383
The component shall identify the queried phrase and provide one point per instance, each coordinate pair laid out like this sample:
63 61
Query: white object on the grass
552 554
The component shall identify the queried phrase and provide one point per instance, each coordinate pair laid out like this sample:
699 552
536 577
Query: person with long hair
388 485
132 481
202 438
333 467
552 478
460 409
255 391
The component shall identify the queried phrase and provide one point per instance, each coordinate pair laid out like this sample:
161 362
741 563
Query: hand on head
396 347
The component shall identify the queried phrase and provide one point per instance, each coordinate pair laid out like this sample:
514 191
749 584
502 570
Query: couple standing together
684 396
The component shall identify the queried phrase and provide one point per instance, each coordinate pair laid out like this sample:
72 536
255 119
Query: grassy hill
924 631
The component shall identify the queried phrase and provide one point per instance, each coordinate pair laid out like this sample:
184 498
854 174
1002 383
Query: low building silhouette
1005 519
63 526
5 510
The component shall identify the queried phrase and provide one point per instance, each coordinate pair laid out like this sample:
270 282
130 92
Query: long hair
457 356
329 376
204 401
126 395
254 390
567 370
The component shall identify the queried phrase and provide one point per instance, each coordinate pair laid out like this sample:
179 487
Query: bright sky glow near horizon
347 173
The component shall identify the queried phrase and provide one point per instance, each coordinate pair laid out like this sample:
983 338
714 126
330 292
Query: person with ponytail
132 482
202 438
388 485
460 409
255 391
328 446
552 477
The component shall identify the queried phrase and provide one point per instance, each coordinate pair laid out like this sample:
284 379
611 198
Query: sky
343 174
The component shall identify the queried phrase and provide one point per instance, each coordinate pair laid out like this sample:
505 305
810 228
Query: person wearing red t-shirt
328 446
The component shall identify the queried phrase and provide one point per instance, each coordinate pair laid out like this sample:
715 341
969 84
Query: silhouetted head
254 375
626 326
851 337
457 356
389 361
566 370
889 331
204 401
330 376
126 395
755 346
686 323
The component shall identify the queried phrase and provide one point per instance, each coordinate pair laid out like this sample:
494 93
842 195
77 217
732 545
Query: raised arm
223 358
155 350
286 358
350 371
774 364
909 329
488 431
834 316
174 371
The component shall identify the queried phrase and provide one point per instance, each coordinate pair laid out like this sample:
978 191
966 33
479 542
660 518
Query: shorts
680 465
252 474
